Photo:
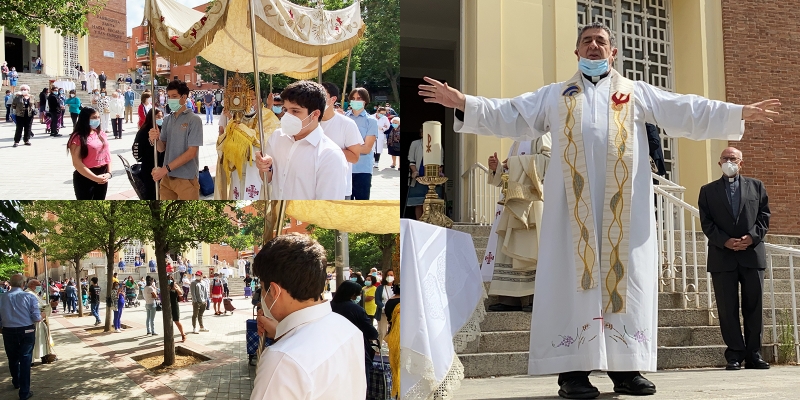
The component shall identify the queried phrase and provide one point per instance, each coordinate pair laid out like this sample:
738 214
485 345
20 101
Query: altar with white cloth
442 304
66 85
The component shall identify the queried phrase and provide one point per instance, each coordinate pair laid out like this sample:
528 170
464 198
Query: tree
366 250
9 267
381 54
106 225
66 17
175 225
13 225
239 242
67 245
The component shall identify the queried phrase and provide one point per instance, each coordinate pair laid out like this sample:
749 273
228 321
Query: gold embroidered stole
612 264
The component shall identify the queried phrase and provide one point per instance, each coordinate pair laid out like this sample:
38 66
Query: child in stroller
131 298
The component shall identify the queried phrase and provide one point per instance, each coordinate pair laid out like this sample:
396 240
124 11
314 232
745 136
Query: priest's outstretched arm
520 118
698 118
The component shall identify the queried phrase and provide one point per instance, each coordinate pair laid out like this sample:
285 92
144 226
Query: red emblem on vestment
620 99
174 41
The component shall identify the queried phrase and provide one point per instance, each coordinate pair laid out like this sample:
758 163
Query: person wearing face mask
54 108
344 132
88 146
345 303
393 141
734 213
129 96
23 108
383 129
179 138
74 104
368 294
384 292
368 127
104 109
20 314
116 107
200 296
209 102
301 162
317 353
144 108
605 195
150 298
277 105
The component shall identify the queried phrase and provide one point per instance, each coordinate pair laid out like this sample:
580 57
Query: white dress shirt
344 132
318 355
312 168
383 125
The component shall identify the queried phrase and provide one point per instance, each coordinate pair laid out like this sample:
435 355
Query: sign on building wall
109 54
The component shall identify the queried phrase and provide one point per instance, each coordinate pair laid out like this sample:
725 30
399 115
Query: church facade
104 48
506 48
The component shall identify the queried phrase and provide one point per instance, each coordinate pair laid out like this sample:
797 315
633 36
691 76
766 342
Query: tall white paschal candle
432 143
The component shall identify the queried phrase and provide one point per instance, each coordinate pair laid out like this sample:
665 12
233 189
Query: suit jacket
656 151
720 223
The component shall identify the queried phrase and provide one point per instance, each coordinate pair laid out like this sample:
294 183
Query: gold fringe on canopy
291 27
373 216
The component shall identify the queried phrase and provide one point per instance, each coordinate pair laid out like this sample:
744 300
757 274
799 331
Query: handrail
481 197
671 208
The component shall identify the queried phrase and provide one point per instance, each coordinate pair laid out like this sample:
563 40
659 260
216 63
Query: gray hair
17 280
596 25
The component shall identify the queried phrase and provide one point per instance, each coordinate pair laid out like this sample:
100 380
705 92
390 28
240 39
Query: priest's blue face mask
593 67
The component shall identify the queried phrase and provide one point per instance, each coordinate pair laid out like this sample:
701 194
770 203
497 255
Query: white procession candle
432 143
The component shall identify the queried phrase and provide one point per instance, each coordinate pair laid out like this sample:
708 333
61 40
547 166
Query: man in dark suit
734 213
102 78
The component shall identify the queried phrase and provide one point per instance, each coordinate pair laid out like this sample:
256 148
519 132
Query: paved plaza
43 171
779 382
99 366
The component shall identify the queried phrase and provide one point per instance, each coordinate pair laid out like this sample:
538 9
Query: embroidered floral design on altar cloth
638 336
578 339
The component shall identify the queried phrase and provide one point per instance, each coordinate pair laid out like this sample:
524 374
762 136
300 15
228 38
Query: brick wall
107 32
761 50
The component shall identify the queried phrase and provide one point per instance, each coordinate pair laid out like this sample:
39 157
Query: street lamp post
46 284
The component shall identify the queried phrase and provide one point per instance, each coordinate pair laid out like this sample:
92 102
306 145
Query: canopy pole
319 70
270 84
153 97
346 72
257 88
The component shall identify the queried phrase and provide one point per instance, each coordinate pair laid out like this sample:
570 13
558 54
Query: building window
187 78
644 39
130 252
198 254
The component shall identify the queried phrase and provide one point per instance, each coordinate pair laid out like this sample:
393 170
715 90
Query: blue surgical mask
277 109
357 300
354 279
593 67
395 126
174 104
37 289
94 123
357 105
369 283
159 121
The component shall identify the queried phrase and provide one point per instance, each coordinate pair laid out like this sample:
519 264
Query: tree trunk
386 244
393 82
110 298
160 245
78 284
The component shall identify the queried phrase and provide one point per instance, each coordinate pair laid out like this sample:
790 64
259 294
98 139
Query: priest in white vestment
513 246
596 285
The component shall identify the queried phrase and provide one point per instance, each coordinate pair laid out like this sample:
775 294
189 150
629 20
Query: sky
135 10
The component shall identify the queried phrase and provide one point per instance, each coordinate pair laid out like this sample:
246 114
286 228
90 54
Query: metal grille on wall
198 255
131 252
644 39
70 55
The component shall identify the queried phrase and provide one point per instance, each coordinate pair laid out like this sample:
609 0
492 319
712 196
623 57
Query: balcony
143 53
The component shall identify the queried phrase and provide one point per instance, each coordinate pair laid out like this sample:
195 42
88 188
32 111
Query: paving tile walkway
100 366
43 171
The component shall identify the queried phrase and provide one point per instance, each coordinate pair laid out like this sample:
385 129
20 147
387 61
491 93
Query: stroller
131 298
379 384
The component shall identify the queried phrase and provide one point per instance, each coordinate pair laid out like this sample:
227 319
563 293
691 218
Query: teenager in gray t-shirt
180 138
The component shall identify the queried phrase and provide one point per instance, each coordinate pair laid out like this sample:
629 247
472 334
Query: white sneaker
194 330
204 330
121 329
117 331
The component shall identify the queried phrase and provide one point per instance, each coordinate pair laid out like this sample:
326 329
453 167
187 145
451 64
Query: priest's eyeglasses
731 159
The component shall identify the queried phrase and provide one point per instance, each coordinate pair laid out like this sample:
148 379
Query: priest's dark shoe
733 365
578 389
499 307
757 363
636 385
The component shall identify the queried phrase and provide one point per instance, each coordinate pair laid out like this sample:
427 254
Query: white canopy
290 38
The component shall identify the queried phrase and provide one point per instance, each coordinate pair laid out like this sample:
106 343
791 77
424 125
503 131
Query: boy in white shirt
344 132
300 161
317 353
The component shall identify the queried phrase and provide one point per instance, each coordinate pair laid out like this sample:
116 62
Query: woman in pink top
88 146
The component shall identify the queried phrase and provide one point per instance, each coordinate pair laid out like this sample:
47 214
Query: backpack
206 182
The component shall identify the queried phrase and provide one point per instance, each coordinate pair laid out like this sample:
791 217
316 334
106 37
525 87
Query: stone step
676 336
506 321
499 342
516 363
676 300
474 229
